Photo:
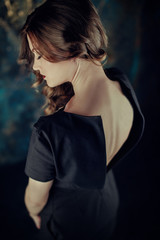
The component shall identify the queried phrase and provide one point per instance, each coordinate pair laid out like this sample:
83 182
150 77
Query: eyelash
39 57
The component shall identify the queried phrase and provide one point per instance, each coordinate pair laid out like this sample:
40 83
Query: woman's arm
36 196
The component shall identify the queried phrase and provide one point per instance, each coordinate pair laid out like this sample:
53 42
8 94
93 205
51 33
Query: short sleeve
40 158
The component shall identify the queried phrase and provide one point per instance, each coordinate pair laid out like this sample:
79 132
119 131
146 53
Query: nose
36 66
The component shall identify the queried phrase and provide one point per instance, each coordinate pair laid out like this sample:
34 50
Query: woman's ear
73 59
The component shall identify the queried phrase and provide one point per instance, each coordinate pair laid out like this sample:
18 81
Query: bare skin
36 197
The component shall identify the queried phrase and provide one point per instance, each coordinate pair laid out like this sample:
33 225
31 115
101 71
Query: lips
43 76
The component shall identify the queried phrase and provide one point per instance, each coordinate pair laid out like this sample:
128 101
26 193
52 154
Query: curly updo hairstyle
60 30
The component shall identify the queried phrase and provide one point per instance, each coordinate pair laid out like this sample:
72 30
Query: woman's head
63 29
60 30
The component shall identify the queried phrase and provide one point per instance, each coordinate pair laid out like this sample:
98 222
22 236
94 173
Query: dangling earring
77 70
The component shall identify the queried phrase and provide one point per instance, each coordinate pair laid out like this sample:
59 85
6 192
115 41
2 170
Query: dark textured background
134 38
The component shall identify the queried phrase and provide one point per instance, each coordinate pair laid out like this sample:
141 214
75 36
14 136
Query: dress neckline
83 116
99 119
137 127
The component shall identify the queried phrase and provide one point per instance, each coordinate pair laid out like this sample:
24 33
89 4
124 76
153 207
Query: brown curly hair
60 30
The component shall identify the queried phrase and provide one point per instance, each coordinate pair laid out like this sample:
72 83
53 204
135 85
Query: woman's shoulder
61 123
49 122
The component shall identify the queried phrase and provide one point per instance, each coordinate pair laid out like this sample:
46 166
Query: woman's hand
36 219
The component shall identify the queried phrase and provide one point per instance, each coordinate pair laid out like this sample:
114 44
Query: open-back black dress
71 149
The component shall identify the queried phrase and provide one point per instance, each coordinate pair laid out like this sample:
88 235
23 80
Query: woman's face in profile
54 73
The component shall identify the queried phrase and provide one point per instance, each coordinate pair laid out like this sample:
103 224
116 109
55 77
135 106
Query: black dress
70 149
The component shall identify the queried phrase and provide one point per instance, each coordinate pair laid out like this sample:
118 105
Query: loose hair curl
60 30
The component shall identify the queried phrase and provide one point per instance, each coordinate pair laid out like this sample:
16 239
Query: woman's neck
87 83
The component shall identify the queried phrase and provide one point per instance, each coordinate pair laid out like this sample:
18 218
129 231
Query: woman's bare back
117 118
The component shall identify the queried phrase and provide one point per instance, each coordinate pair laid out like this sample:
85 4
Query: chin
51 85
48 84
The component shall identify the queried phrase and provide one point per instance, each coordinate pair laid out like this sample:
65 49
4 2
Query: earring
76 60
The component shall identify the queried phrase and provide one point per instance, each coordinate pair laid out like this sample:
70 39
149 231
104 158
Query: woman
92 121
